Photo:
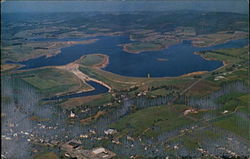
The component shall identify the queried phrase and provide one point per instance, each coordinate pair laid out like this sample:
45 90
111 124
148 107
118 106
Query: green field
27 50
235 68
160 91
235 124
245 110
228 55
105 98
151 121
192 142
51 81
91 101
233 100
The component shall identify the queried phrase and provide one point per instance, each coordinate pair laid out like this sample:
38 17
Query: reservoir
180 57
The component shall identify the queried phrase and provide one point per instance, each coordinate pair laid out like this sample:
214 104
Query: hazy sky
240 6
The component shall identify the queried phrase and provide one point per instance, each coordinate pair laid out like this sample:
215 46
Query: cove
180 58
99 89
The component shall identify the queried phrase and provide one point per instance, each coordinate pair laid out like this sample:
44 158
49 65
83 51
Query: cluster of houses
73 149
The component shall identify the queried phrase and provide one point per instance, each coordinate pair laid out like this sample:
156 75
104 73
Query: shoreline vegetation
68 44
94 60
152 41
104 63
218 38
127 48
47 49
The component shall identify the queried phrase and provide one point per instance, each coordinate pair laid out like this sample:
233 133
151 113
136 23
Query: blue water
181 59
99 89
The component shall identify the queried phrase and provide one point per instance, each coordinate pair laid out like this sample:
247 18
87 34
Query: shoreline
69 44
100 65
218 41
107 62
104 63
211 59
194 73
74 68
52 51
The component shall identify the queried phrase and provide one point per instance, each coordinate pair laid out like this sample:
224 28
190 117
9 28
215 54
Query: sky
240 6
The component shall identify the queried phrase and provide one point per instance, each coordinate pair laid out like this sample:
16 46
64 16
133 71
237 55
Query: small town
125 79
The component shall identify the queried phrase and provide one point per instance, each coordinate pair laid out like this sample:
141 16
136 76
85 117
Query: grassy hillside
51 81
151 121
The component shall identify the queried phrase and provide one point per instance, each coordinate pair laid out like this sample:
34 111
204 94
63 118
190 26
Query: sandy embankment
104 63
74 68
194 73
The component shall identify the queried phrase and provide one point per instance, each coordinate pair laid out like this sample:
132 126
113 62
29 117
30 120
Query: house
84 136
73 149
218 78
187 111
225 111
72 115
102 153
110 131
70 145
130 138
98 151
